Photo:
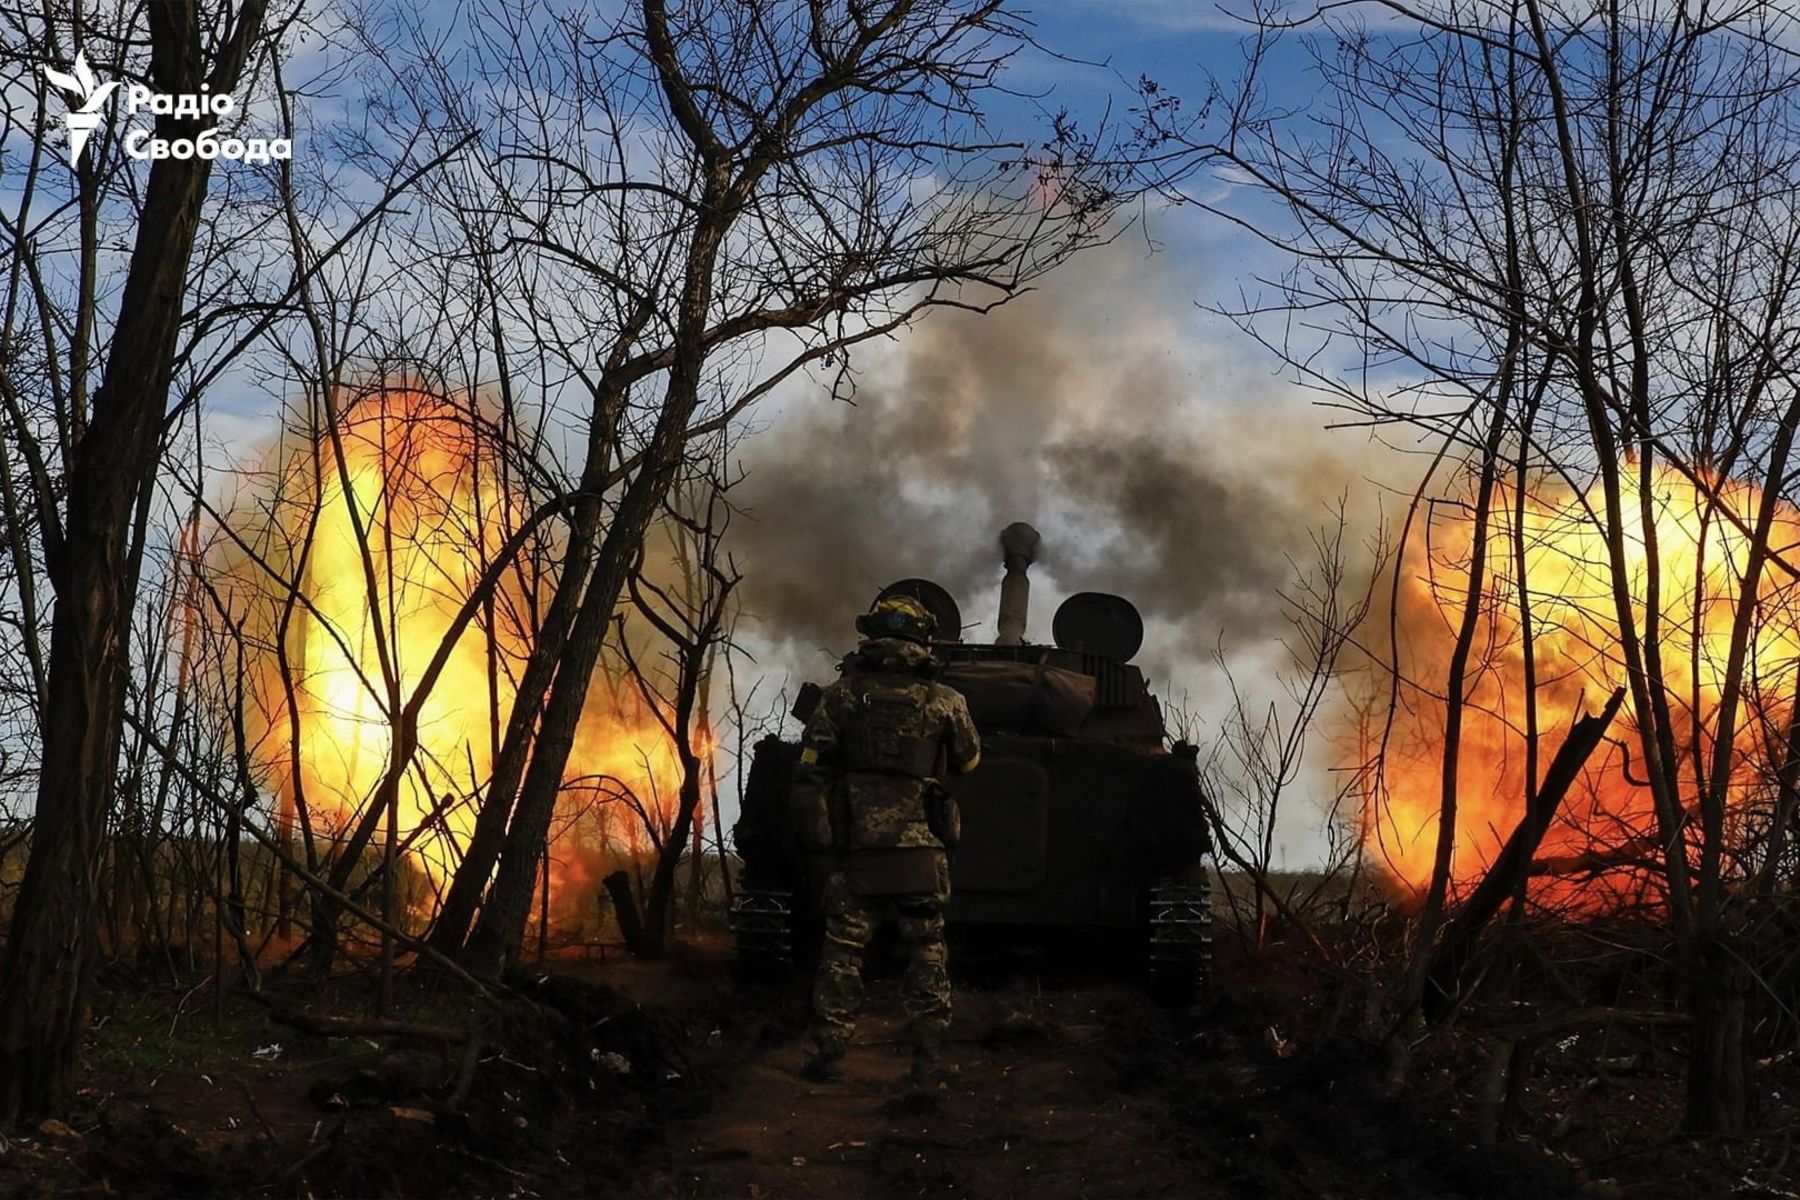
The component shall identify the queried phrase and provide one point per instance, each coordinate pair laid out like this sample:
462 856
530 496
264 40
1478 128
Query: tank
1082 821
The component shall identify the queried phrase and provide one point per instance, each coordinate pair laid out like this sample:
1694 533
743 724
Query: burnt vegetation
367 781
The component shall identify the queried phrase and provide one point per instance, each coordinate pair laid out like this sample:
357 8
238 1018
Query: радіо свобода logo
83 117
87 98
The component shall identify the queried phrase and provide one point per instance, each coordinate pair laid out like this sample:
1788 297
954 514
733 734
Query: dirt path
664 1081
1073 1091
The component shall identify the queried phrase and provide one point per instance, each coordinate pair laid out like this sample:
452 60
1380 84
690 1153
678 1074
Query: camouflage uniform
878 735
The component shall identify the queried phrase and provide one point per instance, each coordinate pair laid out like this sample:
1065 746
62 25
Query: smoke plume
1155 462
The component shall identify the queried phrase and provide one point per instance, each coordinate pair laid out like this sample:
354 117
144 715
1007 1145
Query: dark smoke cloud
1206 522
1155 463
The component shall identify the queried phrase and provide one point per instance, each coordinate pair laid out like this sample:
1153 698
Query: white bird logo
84 120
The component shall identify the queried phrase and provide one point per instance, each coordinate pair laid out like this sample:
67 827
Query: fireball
1683 588
386 535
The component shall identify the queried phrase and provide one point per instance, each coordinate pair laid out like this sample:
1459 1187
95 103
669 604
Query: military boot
825 1066
928 1066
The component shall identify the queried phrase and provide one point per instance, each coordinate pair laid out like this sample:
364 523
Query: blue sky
1137 307
1144 303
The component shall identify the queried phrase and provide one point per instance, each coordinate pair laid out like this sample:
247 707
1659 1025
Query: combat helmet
898 617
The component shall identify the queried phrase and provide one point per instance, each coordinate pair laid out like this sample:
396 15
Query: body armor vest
884 730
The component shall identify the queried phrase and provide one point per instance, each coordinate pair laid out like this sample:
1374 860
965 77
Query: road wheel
762 934
1180 940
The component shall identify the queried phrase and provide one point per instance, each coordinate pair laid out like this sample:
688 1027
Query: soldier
868 765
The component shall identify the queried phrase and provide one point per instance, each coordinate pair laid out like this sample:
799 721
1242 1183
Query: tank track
1180 949
762 931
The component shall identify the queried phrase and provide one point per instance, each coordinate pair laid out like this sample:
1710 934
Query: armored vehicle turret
1081 818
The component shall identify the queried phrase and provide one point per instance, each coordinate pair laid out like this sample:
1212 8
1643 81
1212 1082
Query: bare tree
1561 242
692 617
90 480
681 209
105 358
1262 746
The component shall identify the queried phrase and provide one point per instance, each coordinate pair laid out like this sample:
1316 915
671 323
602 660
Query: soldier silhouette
866 785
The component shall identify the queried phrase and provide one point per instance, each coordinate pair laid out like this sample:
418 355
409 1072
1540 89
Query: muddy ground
667 1081
1081 1089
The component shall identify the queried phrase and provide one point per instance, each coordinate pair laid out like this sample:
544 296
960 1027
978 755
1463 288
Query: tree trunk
1507 875
450 929
625 909
498 933
1456 699
662 880
1718 1093
696 871
497 936
43 994
44 976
